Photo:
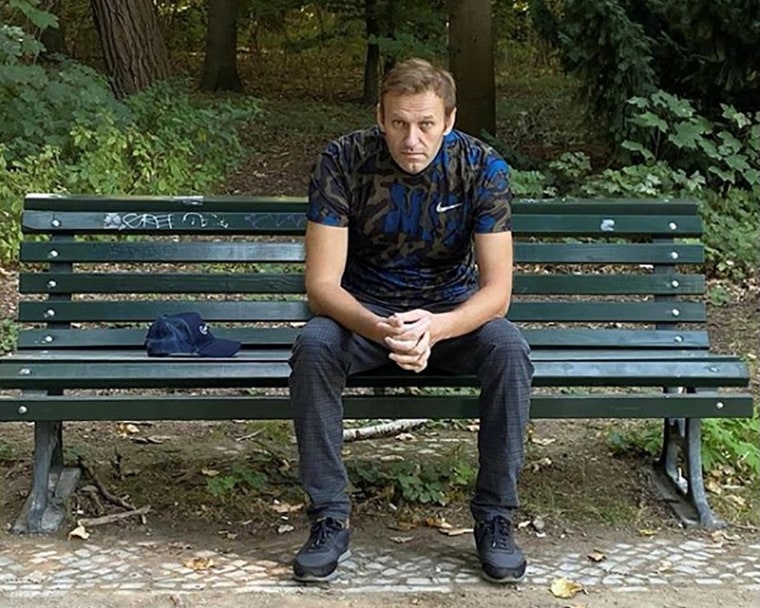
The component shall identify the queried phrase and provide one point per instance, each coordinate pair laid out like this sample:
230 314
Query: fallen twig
112 498
89 522
382 429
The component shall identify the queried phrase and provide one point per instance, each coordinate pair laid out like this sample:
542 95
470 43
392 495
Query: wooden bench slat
242 283
215 407
154 252
130 311
284 336
259 353
607 224
218 373
190 202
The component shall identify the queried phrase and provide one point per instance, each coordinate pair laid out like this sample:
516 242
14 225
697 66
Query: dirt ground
524 597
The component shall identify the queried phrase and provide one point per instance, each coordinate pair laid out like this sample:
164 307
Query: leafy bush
725 442
704 50
725 152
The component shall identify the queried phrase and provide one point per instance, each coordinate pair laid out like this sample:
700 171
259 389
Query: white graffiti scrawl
162 221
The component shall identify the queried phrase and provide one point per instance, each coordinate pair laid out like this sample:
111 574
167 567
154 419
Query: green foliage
732 233
704 50
240 479
156 142
725 441
610 54
8 335
6 452
39 107
726 151
431 482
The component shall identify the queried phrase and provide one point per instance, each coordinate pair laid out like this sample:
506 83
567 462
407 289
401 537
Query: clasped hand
407 336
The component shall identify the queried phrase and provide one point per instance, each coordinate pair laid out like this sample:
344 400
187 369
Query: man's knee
321 339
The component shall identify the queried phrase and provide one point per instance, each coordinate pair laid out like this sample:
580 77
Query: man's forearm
486 304
338 304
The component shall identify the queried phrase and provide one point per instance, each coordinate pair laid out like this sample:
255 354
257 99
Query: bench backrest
96 271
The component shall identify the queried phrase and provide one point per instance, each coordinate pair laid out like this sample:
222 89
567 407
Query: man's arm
493 253
326 254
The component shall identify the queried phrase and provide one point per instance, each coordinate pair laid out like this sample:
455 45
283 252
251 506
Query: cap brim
219 347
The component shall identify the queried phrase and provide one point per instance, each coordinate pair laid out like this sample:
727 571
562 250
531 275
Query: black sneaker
318 559
502 560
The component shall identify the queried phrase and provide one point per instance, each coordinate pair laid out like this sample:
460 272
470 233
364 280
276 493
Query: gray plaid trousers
326 353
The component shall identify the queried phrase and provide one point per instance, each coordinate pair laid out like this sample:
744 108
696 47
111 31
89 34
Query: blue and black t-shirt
410 236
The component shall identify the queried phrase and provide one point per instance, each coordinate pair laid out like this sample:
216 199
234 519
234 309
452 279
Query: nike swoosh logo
442 208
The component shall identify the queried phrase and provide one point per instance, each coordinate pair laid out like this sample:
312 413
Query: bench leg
685 493
45 508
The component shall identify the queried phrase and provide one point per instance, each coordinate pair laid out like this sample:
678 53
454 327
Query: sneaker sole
312 578
503 581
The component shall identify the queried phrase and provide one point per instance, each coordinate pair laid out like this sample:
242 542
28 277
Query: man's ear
450 120
380 121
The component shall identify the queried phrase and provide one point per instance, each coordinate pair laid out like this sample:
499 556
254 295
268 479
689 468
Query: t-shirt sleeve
328 192
493 197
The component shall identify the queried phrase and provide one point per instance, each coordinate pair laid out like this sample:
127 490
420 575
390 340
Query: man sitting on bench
409 260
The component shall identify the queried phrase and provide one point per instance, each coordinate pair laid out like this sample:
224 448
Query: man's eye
398 123
426 125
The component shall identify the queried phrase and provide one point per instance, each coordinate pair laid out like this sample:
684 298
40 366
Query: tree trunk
472 63
220 66
372 65
133 46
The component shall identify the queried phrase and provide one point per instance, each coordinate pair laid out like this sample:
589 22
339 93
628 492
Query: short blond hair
415 76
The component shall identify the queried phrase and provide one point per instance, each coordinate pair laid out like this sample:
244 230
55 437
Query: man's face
414 127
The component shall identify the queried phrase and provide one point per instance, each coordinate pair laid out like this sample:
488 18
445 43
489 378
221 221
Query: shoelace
499 529
322 530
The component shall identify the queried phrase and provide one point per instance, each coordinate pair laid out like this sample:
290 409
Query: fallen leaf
391 458
455 531
664 566
128 428
401 539
473 428
538 524
227 534
405 437
713 486
737 500
543 441
284 529
647 532
596 556
284 507
564 588
209 472
199 563
79 532
435 522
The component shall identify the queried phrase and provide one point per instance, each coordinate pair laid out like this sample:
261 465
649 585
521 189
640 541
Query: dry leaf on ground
596 556
79 532
455 531
438 522
284 508
401 540
565 589
199 563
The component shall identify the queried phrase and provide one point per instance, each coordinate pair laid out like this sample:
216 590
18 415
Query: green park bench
608 293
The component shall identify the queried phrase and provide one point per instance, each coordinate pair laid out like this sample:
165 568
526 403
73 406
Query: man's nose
412 137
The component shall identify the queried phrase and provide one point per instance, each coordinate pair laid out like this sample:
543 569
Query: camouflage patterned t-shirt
410 241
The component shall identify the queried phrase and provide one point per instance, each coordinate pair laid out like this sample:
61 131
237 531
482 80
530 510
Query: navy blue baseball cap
185 333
